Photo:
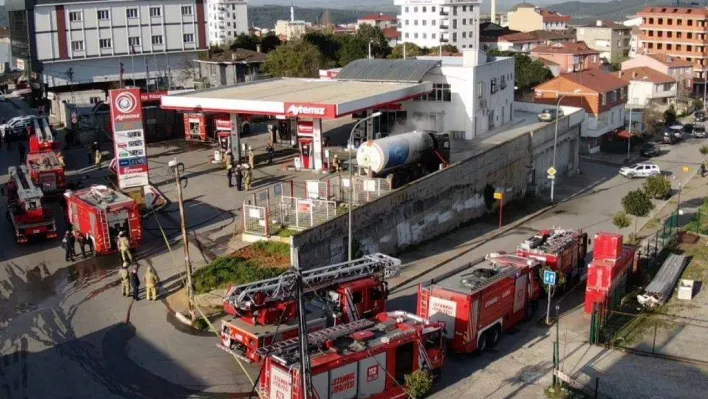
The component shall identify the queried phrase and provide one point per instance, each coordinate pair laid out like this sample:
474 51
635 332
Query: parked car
699 116
645 169
699 131
16 126
550 114
673 134
650 149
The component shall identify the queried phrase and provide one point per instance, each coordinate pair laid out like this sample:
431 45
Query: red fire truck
362 359
42 137
265 311
478 302
46 171
100 213
26 209
561 250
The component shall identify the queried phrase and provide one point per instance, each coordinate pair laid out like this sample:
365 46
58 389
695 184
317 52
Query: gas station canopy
308 98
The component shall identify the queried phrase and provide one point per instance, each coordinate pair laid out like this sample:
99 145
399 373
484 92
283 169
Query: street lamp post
555 138
351 177
370 41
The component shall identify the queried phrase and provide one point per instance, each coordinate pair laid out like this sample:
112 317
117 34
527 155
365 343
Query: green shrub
657 186
227 271
273 248
200 324
419 383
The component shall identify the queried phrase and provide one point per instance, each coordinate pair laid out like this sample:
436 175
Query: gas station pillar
317 150
236 138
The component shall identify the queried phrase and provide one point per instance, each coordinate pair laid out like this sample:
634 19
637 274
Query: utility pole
302 325
147 75
70 75
122 70
178 168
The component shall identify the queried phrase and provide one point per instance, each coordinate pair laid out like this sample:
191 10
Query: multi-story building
610 39
571 57
648 87
98 42
526 17
602 96
380 20
679 69
231 67
227 19
291 29
679 32
431 23
520 42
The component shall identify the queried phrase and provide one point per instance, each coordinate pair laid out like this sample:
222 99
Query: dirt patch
265 255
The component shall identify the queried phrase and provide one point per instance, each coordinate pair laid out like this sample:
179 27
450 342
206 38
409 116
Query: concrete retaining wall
444 200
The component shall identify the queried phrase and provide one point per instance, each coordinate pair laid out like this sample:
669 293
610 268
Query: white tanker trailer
404 157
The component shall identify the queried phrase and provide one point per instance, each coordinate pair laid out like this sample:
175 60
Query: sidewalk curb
609 163
487 237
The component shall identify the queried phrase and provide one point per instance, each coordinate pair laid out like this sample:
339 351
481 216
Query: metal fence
338 187
255 220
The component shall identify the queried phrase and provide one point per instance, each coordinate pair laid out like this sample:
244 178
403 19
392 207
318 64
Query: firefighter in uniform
135 283
150 284
60 157
99 157
239 177
337 164
229 161
248 175
125 279
251 158
124 247
270 150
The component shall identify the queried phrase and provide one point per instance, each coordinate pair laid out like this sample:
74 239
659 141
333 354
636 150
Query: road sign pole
548 307
501 212
553 186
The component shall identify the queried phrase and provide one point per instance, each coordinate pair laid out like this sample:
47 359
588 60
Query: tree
657 186
296 58
621 220
697 104
670 115
328 45
244 41
529 73
379 45
637 204
704 151
269 42
419 383
412 50
449 48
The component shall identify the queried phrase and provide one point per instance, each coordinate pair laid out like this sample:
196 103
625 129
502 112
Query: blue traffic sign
549 277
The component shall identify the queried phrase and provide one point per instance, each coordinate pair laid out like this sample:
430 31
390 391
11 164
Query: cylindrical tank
393 151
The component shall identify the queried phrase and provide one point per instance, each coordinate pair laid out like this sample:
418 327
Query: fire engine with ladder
561 250
46 171
479 302
101 213
26 209
266 311
361 359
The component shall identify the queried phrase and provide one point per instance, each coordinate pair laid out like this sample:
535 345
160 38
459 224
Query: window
75 16
464 21
424 22
105 43
604 99
623 92
406 9
441 93
454 37
667 86
406 22
503 82
134 41
357 297
131 13
689 22
94 100
464 35
493 85
464 8
77 45
432 9
415 22
407 35
424 9
432 36
104 15
155 11
454 10
425 35
157 40
186 10
415 35
613 97
432 22
213 69
415 9
188 37
480 89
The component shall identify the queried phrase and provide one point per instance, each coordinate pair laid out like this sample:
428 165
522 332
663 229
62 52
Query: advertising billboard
129 137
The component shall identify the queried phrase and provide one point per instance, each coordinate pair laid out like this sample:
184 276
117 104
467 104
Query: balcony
444 24
444 13
444 38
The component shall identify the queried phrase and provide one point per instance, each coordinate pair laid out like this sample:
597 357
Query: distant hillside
266 16
613 11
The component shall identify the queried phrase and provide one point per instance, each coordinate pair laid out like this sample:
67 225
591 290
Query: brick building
679 32
572 57
602 96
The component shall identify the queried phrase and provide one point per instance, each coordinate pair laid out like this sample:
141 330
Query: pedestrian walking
68 244
92 152
270 150
248 175
8 138
251 158
99 158
21 149
229 161
124 247
124 279
135 283
239 178
150 284
703 169
82 241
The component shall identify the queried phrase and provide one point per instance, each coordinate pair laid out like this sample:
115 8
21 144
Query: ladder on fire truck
283 287
26 190
556 241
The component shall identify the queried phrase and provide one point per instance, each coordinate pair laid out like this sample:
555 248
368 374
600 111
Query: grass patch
259 261
286 233
699 224
698 268
200 324
653 223
563 392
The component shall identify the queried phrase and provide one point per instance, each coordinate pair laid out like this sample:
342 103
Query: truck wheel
483 343
494 335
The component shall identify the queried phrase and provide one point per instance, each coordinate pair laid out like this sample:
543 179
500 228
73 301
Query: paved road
520 365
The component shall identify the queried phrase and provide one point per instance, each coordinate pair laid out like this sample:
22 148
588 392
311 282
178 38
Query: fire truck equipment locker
46 171
560 250
100 213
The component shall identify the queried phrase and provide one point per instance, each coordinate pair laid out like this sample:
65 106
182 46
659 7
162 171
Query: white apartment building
76 42
431 23
227 19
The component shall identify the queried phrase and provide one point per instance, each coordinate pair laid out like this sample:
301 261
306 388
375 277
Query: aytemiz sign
310 110
129 137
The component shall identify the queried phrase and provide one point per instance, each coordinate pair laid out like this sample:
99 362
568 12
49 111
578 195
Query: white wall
412 18
171 25
604 123
641 93
234 14
500 104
